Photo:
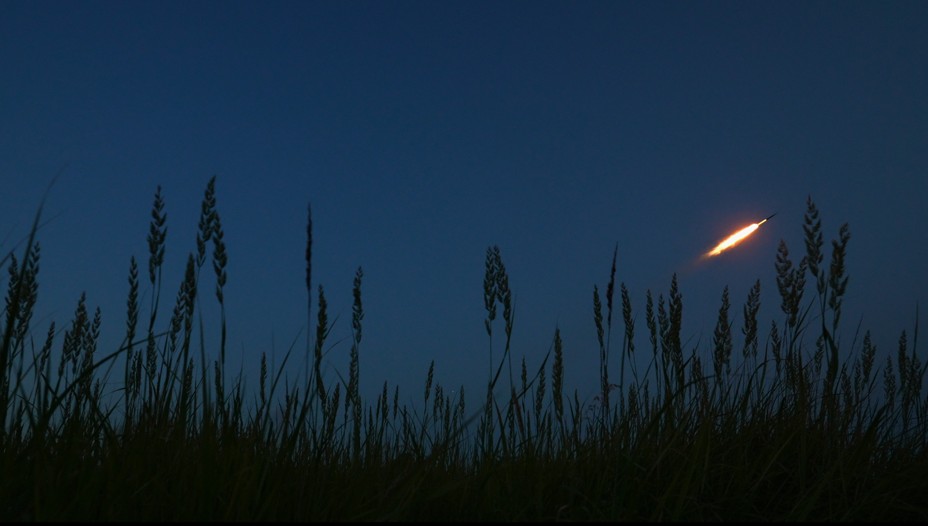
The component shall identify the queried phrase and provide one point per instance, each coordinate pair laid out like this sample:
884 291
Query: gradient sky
424 132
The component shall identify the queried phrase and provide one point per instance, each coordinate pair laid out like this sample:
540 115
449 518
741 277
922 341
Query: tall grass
764 427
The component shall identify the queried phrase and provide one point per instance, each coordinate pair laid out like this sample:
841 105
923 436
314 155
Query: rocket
767 218
737 237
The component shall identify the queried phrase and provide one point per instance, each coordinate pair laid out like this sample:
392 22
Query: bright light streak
735 238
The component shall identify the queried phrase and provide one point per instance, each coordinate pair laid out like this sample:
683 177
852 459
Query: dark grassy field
790 428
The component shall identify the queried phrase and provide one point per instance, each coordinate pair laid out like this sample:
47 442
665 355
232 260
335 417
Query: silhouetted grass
773 428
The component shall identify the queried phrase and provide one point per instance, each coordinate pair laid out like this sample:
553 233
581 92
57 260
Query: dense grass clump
764 427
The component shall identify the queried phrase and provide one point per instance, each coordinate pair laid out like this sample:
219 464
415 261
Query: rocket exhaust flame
736 238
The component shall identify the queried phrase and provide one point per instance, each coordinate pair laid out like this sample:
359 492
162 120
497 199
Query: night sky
423 133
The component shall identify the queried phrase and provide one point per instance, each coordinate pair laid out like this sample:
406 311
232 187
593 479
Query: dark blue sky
424 132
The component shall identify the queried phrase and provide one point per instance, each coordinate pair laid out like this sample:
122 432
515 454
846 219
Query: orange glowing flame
735 238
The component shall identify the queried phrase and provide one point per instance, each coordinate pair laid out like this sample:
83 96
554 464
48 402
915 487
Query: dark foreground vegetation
768 422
